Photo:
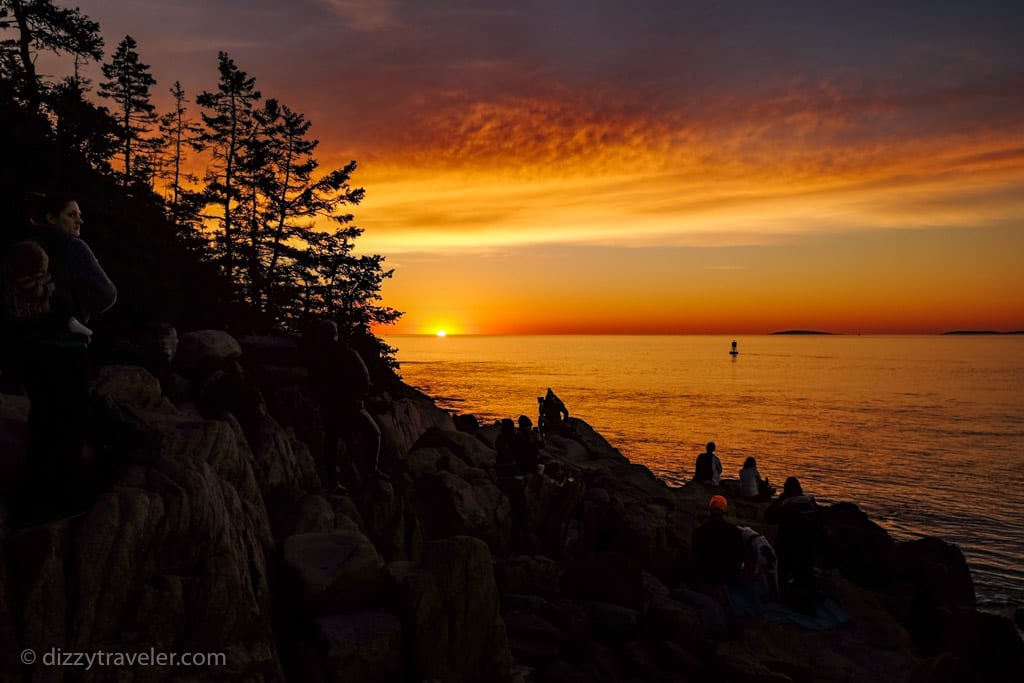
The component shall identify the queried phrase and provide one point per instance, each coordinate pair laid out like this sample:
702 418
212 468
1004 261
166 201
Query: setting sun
442 333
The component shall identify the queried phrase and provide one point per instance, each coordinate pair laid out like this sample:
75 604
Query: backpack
760 561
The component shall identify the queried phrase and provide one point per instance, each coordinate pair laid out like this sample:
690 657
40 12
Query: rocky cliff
211 535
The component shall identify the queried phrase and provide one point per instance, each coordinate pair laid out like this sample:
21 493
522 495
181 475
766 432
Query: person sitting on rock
708 468
752 486
340 382
799 537
718 547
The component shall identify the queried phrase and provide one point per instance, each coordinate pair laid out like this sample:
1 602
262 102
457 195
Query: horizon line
780 333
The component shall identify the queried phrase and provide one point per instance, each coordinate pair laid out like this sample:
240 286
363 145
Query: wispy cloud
365 15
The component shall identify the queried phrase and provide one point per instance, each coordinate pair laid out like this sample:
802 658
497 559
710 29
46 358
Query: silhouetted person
718 548
340 382
82 288
708 468
52 353
799 537
527 444
751 484
504 445
553 413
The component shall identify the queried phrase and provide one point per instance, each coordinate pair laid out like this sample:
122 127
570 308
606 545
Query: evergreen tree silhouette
228 118
128 86
39 25
178 132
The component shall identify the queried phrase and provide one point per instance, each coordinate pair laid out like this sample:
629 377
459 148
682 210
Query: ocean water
924 433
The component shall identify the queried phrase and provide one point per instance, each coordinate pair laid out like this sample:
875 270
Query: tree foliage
40 25
128 83
264 230
80 126
228 117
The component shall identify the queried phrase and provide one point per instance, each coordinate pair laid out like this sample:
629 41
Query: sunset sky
650 166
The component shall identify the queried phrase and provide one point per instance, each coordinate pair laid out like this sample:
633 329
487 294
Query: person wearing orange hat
717 546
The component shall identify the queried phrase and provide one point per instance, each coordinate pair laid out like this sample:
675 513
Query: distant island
982 332
800 332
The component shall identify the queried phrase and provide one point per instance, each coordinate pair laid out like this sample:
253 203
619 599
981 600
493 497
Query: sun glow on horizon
442 333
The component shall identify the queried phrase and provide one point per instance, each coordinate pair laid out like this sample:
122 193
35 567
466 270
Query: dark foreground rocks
211 534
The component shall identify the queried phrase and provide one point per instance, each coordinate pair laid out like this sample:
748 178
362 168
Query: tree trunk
31 86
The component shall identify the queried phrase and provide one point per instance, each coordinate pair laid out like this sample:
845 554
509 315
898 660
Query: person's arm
92 289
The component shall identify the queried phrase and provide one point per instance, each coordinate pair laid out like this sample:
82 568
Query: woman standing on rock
56 365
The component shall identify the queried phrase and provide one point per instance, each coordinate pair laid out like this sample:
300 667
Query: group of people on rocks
725 553
517 465
708 471
517 448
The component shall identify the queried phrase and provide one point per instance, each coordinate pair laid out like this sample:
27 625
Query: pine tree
81 127
128 86
178 133
40 25
339 284
229 122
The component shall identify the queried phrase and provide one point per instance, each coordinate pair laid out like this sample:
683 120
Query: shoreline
646 430
222 538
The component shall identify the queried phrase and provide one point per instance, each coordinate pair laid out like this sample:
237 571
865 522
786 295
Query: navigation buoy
734 352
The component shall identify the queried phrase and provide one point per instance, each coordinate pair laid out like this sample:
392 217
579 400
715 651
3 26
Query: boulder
13 441
395 530
611 623
271 349
533 574
466 447
564 672
989 643
451 506
478 647
361 647
640 660
596 658
416 598
130 384
293 511
549 505
938 566
404 421
279 459
334 572
607 576
205 349
173 556
855 545
534 641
